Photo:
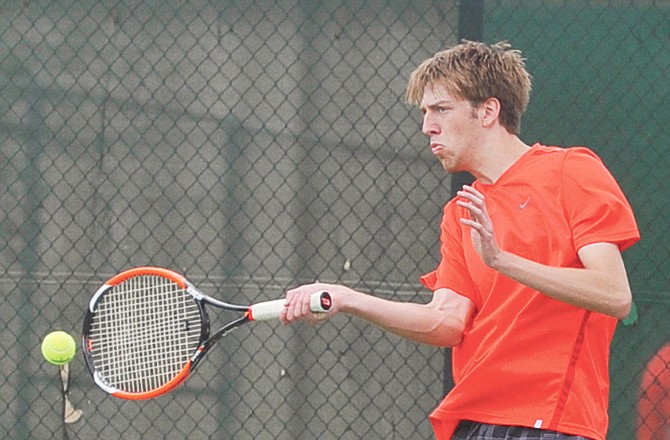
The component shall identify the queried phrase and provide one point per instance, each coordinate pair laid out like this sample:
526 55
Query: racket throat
212 340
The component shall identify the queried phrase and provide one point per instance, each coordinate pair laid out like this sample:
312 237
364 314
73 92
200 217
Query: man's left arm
600 286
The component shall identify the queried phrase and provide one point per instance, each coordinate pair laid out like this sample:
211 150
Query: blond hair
476 72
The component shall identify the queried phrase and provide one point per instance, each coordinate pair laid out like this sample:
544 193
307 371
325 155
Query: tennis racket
147 328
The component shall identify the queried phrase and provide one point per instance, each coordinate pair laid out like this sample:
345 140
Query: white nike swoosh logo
524 204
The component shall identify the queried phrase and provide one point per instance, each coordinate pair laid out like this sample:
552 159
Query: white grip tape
264 311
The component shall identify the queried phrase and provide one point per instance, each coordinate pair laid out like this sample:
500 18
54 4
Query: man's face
453 126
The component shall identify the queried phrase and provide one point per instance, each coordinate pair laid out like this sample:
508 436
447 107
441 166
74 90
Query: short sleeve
596 207
452 272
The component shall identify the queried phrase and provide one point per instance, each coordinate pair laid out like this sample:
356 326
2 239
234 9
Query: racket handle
319 302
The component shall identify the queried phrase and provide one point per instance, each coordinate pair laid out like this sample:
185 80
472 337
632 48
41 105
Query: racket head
141 332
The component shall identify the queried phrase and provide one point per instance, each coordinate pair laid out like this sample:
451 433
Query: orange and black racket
147 328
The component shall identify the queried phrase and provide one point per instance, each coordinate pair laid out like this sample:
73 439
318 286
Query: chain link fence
255 146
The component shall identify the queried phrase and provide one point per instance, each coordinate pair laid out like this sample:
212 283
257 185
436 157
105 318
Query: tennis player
531 280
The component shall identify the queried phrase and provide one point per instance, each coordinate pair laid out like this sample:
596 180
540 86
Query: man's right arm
440 322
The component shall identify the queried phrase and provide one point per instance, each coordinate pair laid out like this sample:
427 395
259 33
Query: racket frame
265 311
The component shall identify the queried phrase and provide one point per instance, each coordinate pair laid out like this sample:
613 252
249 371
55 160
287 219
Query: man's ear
489 111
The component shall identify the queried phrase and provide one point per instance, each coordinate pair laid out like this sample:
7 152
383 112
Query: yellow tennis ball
58 347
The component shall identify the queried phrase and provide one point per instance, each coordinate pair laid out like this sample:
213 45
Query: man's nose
429 127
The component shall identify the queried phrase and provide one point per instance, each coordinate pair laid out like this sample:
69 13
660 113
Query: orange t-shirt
527 359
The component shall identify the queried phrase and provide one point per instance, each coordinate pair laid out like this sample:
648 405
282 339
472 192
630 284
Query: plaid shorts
468 430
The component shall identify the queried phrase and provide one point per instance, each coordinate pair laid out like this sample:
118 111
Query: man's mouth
436 148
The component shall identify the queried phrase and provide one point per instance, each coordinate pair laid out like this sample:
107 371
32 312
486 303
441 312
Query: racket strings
144 332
